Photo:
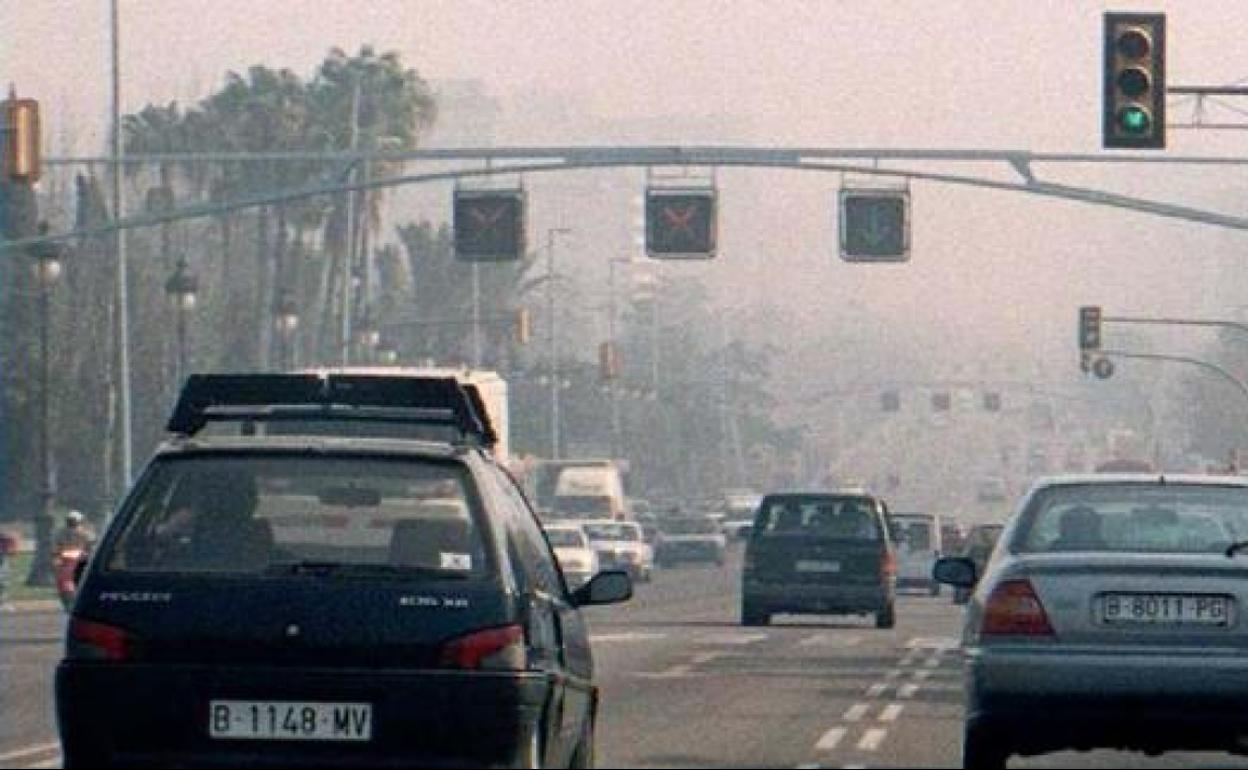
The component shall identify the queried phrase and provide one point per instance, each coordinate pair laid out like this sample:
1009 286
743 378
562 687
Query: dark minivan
819 553
277 599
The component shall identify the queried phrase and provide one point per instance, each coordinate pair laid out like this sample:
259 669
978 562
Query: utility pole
123 298
552 338
348 257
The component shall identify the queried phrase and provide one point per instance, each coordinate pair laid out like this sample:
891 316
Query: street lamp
47 258
286 321
183 290
551 338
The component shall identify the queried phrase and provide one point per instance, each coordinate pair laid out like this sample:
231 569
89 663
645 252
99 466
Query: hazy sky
992 273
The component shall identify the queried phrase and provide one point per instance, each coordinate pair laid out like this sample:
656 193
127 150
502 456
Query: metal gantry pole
123 297
552 344
476 316
348 257
41 565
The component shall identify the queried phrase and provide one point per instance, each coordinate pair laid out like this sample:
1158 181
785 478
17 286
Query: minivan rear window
294 514
847 518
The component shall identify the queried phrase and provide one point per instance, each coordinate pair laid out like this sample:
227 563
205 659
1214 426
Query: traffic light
992 401
1133 111
941 402
1089 328
22 158
680 223
524 326
875 225
608 362
489 225
890 401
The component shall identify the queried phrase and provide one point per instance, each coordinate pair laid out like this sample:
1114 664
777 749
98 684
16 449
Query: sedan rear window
1134 517
281 514
847 518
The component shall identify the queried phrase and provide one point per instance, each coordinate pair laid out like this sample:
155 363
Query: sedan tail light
89 640
1014 609
888 565
498 649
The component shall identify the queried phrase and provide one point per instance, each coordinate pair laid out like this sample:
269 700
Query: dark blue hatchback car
281 598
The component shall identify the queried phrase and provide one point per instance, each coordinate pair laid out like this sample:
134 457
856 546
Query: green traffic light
1134 120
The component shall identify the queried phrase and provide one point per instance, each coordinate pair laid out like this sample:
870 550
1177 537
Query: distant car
689 538
819 553
283 599
1112 615
575 552
919 545
739 510
978 547
621 545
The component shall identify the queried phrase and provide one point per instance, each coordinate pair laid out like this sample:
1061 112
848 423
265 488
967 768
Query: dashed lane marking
871 739
932 662
702 658
732 639
830 640
907 691
831 739
930 642
856 712
923 674
876 690
891 712
626 636
893 674
672 672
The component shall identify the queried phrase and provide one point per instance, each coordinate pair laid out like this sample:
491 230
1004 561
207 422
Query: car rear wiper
1234 548
327 568
304 567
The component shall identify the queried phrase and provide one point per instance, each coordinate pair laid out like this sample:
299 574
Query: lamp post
286 321
47 258
183 291
552 344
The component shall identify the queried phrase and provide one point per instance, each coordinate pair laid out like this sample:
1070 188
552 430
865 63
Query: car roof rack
441 401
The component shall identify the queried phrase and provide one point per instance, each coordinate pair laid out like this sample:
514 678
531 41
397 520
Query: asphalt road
684 685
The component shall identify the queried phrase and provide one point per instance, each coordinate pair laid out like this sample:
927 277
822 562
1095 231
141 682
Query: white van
590 491
919 545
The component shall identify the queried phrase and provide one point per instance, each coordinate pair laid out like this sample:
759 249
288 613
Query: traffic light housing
524 326
608 362
1089 328
941 402
680 223
1133 112
992 401
22 145
874 225
890 401
489 225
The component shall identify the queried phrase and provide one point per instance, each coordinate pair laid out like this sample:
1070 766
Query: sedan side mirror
608 587
956 571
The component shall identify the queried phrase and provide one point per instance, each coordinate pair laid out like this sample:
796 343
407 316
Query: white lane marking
830 740
891 712
872 739
731 639
830 640
876 690
674 672
893 674
922 675
702 658
909 658
932 662
25 752
907 690
626 636
929 642
856 712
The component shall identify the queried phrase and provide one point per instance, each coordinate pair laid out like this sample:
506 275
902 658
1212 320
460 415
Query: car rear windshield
690 526
913 532
1134 517
565 538
846 518
586 505
286 514
613 532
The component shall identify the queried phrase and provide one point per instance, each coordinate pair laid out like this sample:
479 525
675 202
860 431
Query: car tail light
494 648
89 640
888 565
1014 609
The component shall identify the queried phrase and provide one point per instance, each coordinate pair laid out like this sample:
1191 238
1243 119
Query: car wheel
983 752
753 616
887 617
583 757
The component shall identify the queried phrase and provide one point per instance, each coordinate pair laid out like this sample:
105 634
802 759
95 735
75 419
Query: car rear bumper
158 715
690 551
816 599
1044 700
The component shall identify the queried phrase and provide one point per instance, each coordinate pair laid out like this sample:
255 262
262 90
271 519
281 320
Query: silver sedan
1113 613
